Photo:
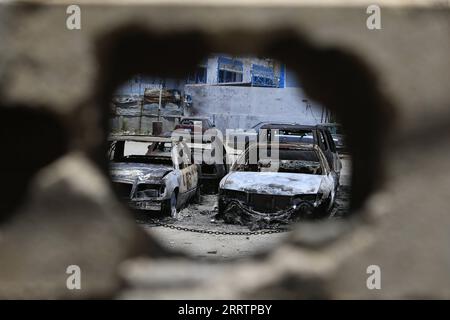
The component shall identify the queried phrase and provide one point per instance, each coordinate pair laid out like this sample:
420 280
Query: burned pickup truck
153 173
295 184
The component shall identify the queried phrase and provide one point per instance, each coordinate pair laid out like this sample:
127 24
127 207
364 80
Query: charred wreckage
269 183
153 173
294 185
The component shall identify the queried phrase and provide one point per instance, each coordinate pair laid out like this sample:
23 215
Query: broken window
230 70
305 136
199 75
263 76
322 140
289 160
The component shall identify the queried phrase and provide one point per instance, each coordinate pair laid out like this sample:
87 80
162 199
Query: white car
153 173
298 183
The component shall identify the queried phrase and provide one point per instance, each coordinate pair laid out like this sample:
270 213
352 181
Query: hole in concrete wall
151 82
31 139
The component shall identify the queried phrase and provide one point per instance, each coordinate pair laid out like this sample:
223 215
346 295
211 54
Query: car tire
170 206
198 195
327 208
220 207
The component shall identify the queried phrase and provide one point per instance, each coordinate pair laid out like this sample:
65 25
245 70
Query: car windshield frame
158 158
242 162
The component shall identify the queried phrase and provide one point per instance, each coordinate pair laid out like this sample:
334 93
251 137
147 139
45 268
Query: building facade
235 93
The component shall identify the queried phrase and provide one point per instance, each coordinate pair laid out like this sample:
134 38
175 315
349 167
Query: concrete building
235 92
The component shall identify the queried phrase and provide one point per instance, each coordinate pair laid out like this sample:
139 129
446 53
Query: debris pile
237 213
167 96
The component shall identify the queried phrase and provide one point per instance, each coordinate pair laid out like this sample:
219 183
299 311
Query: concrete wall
70 215
243 107
228 107
136 86
131 124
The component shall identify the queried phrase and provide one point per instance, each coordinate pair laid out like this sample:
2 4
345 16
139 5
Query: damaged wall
142 125
402 226
243 107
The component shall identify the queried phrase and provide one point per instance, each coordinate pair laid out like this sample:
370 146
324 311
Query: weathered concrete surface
243 107
402 72
70 218
405 229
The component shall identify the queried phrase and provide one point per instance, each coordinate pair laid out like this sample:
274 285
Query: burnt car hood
138 171
275 183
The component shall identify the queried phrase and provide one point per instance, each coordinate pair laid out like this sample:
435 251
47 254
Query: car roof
139 138
298 146
330 124
194 118
262 123
272 125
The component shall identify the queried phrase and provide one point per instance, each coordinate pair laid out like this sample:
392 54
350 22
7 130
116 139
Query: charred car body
153 173
296 184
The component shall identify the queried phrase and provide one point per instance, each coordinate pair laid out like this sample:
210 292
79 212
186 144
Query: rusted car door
326 144
323 145
336 166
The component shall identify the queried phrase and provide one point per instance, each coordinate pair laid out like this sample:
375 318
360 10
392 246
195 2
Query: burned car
295 184
153 173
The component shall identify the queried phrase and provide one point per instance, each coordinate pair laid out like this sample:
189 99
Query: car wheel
220 207
327 210
198 195
170 206
332 201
